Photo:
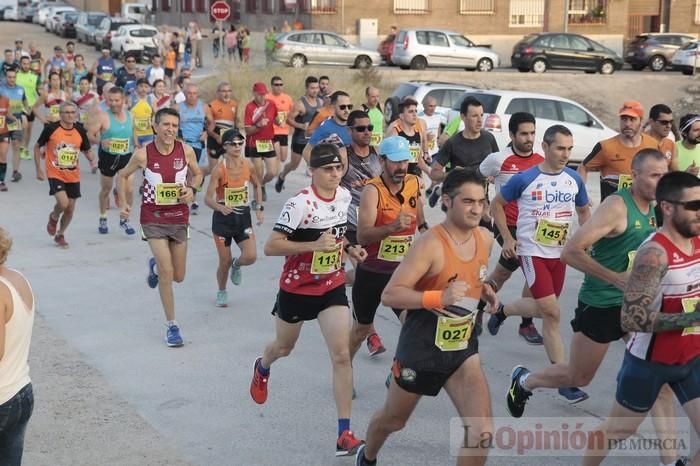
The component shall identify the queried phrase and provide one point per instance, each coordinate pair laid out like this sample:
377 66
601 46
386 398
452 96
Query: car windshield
142 33
690 46
489 101
72 17
95 20
640 39
461 41
404 90
114 25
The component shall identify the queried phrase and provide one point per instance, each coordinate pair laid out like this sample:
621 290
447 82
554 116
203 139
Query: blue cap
395 148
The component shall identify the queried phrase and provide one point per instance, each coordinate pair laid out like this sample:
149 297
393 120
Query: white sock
522 380
170 323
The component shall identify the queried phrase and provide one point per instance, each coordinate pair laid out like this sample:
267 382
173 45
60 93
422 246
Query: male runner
548 195
434 122
113 130
324 84
440 282
30 81
166 164
661 309
19 109
334 130
284 104
224 111
299 118
142 112
103 70
5 117
259 119
688 149
659 127
310 234
373 109
410 128
63 142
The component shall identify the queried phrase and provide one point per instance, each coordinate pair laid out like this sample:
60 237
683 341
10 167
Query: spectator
196 39
246 46
270 39
286 27
231 43
241 34
298 25
171 63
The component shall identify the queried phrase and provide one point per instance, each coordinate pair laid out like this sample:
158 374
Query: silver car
86 25
309 47
420 48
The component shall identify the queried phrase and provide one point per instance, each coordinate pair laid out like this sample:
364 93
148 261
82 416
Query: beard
685 228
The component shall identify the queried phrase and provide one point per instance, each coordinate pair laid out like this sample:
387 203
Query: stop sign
220 10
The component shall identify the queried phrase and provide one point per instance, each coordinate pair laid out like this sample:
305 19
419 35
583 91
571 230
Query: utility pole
566 15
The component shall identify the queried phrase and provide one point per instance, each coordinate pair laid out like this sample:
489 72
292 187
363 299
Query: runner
36 59
325 112
334 130
661 310
228 196
688 150
324 85
142 111
5 117
103 69
659 127
409 127
259 118
19 110
113 130
156 71
57 63
284 104
224 110
78 72
373 109
613 156
389 213
125 76
166 164
434 122
161 99
8 63
84 99
62 141
30 82
312 285
299 118
440 282
51 99
517 157
546 195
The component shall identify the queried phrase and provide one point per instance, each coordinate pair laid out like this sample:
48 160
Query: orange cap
631 108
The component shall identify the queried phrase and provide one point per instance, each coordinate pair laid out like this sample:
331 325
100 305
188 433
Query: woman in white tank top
16 320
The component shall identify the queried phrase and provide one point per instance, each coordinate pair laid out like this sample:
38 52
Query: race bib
236 197
630 259
13 125
624 182
326 262
106 76
119 146
16 107
2 120
394 248
142 124
548 233
167 193
264 146
452 334
222 131
83 117
280 118
689 306
414 150
431 144
375 139
54 110
67 158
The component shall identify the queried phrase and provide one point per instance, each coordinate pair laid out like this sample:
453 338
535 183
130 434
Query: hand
326 242
403 221
124 214
357 252
217 138
40 174
693 169
488 294
455 291
203 136
260 215
224 210
621 279
186 195
509 248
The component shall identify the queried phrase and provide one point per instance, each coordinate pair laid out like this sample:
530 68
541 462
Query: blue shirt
330 132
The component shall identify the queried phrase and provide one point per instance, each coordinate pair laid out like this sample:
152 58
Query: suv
446 95
549 110
135 39
654 50
88 21
419 48
108 26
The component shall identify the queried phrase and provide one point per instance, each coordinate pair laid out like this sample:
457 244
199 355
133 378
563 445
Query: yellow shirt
142 112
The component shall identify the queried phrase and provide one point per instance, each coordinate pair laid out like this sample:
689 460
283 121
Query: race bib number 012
548 233
394 248
452 334
236 197
689 305
167 193
624 182
326 262
67 158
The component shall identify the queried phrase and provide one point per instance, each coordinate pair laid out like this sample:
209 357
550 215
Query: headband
687 126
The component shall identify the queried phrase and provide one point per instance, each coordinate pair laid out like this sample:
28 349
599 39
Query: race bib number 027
452 334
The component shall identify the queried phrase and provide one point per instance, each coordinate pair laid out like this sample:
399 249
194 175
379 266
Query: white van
140 12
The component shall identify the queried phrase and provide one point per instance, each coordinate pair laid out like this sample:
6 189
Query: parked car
28 11
135 39
43 11
11 13
2 11
654 50
446 94
104 32
300 48
549 110
687 59
65 26
85 27
54 16
139 12
559 51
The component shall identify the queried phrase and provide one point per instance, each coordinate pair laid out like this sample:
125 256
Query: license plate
516 55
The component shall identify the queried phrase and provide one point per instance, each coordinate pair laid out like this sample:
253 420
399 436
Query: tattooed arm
650 266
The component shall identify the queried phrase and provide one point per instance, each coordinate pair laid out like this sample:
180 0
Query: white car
11 14
687 58
52 17
134 38
549 110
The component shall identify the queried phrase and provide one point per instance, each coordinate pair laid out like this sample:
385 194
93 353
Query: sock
522 380
366 461
3 170
343 425
481 306
171 323
103 215
235 262
262 370
526 322
500 315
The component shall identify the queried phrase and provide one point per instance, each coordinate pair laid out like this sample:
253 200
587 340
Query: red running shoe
51 226
258 386
347 444
374 345
60 241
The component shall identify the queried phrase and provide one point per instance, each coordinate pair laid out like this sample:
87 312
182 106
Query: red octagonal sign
220 10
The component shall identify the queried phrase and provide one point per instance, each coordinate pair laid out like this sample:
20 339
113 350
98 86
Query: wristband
432 299
423 225
492 283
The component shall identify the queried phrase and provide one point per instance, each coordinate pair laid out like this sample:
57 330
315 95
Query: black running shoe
279 184
517 395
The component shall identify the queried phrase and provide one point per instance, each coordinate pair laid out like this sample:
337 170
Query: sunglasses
234 143
345 107
688 205
664 122
131 61
363 128
278 84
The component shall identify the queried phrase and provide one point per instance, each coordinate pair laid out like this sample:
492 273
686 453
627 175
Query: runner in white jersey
549 196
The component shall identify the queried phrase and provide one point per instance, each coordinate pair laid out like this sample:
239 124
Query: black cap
230 135
324 154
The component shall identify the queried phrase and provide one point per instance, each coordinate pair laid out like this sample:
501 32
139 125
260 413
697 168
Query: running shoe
51 225
387 382
517 395
573 394
494 324
194 208
172 336
258 386
221 298
264 194
103 228
24 154
60 241
374 345
434 197
128 229
347 444
152 277
360 459
279 184
236 274
16 176
3 186
531 335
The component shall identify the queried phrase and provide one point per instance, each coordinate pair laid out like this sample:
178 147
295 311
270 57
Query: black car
561 51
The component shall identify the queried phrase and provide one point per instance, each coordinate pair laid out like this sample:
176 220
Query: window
437 39
545 108
476 7
333 41
558 42
318 6
200 6
517 105
186 6
438 95
411 7
165 5
268 6
588 11
461 41
422 37
576 115
308 39
578 43
251 6
526 13
452 96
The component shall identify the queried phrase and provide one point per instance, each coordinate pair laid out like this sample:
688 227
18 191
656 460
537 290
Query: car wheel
363 62
485 64
298 61
657 63
607 67
539 65
637 67
391 109
418 63
687 72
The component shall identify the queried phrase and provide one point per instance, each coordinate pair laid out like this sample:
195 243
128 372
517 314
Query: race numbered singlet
304 218
617 254
141 111
299 136
384 256
376 117
4 112
414 146
261 140
105 70
224 114
163 178
84 103
360 170
16 97
284 105
192 120
62 148
53 104
679 291
117 140
233 191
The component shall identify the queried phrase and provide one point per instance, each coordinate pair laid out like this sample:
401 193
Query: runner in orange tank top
440 281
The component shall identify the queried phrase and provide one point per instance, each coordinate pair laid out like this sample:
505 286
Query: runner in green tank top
614 231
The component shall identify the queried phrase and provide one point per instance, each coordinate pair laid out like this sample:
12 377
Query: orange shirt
668 148
323 114
170 58
284 105
4 111
224 114
227 181
62 148
613 158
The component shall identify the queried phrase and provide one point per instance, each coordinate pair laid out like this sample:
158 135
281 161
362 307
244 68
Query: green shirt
452 127
29 81
376 118
614 254
270 39
686 157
